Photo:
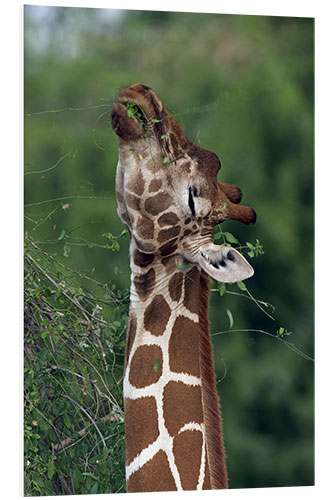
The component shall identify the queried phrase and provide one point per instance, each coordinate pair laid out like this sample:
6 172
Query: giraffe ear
224 264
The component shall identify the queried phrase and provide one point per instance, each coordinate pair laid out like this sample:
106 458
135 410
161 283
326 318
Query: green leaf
96 459
251 247
165 160
67 250
62 235
67 421
163 136
109 236
281 332
224 205
88 474
183 266
115 246
255 250
50 469
157 365
105 452
77 478
231 319
230 237
222 288
94 488
241 286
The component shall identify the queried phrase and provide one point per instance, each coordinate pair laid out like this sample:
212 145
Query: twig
82 432
76 197
266 304
65 488
71 299
47 421
257 303
46 111
50 168
112 399
290 345
47 255
88 415
82 377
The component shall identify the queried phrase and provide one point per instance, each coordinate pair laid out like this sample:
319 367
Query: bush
73 404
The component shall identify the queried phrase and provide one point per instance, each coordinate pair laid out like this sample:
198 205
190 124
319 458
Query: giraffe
169 199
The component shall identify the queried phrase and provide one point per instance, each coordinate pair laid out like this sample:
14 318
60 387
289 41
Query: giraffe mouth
225 264
136 112
128 119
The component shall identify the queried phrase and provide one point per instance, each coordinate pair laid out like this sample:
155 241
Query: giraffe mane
210 401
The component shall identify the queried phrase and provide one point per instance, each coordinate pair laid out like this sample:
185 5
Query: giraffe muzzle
125 125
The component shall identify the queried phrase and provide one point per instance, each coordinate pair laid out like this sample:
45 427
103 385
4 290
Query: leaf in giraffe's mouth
134 111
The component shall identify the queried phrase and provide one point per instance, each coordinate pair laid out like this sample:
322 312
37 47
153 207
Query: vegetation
74 345
241 86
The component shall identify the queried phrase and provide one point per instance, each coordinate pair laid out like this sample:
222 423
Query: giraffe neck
172 420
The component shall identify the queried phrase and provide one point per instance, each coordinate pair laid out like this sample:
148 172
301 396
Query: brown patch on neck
192 293
176 286
157 315
143 259
212 417
143 371
137 185
166 234
168 219
187 451
145 227
141 425
181 404
184 347
155 475
144 283
158 203
155 185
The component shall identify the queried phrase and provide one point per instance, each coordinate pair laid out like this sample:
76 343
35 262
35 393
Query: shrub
73 404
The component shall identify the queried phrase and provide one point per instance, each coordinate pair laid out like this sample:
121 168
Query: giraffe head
167 189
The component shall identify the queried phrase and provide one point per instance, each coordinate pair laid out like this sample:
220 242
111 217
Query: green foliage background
241 86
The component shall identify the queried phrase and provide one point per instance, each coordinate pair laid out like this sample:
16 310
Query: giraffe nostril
230 256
